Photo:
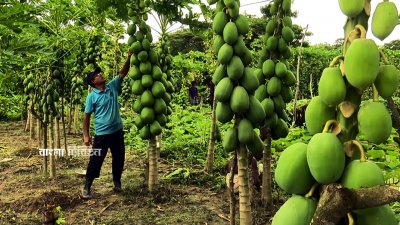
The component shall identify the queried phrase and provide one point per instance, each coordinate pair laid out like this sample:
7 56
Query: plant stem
363 158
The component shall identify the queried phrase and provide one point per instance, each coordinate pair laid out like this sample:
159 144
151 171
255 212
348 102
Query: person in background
194 94
211 88
103 102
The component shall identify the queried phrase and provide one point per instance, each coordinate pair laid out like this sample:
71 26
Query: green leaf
376 154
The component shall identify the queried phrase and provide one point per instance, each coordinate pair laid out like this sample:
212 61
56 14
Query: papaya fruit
287 34
239 101
219 22
225 54
297 210
272 120
217 44
351 8
387 80
147 98
249 81
384 19
256 113
260 76
239 48
272 43
289 79
292 173
230 33
144 133
147 81
281 129
382 215
256 147
223 112
223 90
137 87
242 25
147 115
280 69
286 93
325 158
245 131
261 92
361 63
155 128
230 140
271 26
268 106
219 74
235 68
317 114
160 107
268 68
279 104
374 122
331 86
274 86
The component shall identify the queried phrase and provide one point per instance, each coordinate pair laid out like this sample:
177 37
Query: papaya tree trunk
158 145
75 120
45 165
63 124
69 126
52 158
244 187
57 132
31 126
211 143
28 119
266 192
39 133
153 166
232 208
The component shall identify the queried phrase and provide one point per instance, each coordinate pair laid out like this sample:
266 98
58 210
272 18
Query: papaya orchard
338 162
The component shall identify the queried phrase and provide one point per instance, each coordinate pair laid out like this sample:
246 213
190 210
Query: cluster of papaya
29 84
335 118
385 17
149 83
235 80
273 71
166 63
93 51
77 82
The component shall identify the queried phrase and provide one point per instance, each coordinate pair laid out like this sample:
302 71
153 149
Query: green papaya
274 86
260 76
137 106
297 210
351 8
272 43
223 112
256 113
147 115
292 173
160 107
219 74
230 140
137 87
281 130
242 25
256 147
239 101
230 33
325 158
223 90
147 98
245 131
272 120
317 114
382 215
271 26
387 80
147 81
235 68
240 48
268 106
287 34
268 68
261 92
219 22
144 133
155 128
384 19
354 175
225 54
156 72
289 79
361 63
331 86
286 93
249 80
138 122
218 43
374 122
280 69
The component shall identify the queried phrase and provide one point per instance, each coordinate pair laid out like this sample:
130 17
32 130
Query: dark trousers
115 142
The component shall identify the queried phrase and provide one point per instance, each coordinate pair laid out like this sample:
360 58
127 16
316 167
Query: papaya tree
351 188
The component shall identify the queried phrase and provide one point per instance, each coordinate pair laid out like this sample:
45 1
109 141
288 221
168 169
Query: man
194 94
103 102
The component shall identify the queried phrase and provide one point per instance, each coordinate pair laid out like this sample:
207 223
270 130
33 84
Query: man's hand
87 140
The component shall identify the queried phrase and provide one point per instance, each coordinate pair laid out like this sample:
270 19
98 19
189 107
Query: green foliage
185 41
10 107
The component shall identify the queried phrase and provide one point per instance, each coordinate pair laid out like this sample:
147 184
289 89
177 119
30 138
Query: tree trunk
266 193
31 126
232 198
153 167
57 132
71 108
211 144
39 133
28 119
296 95
63 124
158 145
76 120
44 130
311 86
52 158
244 188
335 201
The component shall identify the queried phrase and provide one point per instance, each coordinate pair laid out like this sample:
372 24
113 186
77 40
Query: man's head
95 78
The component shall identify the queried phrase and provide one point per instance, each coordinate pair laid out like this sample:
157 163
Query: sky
323 17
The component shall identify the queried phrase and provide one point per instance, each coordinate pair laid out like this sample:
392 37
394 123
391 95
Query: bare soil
26 195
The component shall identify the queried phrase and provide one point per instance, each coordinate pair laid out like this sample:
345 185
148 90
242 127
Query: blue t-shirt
104 104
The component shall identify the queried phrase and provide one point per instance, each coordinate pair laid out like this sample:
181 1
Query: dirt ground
25 194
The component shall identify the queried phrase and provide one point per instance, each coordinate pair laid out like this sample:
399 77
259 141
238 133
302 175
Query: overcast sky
324 19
